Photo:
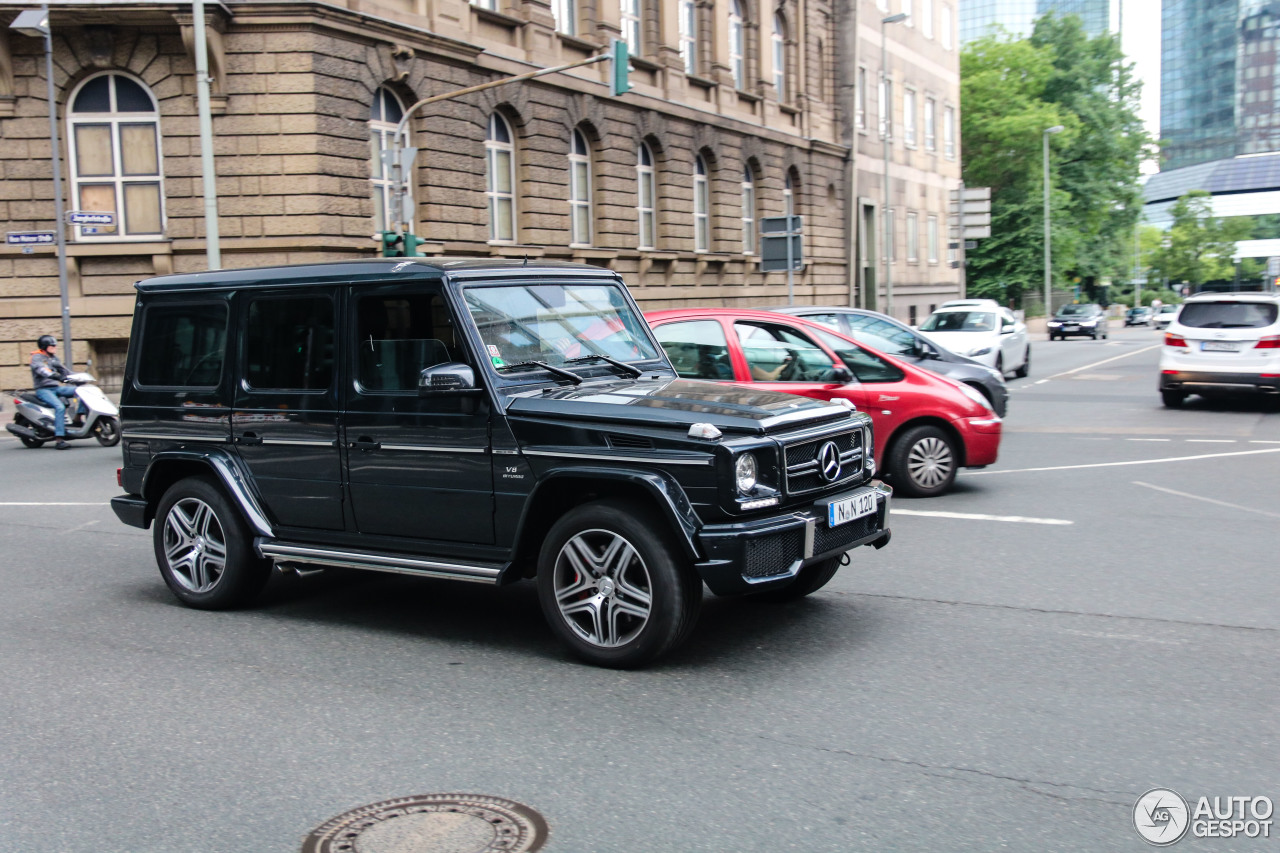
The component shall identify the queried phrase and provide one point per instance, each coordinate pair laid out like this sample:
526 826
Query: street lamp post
885 124
35 23
1048 249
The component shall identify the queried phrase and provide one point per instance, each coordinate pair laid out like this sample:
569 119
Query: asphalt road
981 684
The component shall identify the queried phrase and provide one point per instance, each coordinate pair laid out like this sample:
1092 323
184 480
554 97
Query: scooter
33 418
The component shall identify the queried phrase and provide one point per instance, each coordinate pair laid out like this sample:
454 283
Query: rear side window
1228 315
697 349
183 346
290 344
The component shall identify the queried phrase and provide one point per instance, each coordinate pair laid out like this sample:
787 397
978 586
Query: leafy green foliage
1199 245
1012 90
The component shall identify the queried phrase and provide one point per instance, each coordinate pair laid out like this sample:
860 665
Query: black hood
676 402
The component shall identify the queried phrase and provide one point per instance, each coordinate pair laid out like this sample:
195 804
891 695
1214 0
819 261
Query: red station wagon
926 426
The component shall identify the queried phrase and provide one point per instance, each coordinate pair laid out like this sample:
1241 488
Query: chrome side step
292 552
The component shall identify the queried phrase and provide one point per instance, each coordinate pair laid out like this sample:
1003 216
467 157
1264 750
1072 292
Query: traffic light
411 244
619 68
392 244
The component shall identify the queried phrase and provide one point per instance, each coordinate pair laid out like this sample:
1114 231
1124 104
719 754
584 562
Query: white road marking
1148 439
1207 500
1097 363
1262 441
1211 441
65 503
976 516
1040 381
1118 464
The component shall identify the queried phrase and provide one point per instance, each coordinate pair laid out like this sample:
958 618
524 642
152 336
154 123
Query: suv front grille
804 473
773 555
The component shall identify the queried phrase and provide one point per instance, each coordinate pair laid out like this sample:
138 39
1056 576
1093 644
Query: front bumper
1199 381
1081 331
981 440
755 555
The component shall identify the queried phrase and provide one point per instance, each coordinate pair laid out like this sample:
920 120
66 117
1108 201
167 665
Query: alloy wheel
930 462
195 545
603 588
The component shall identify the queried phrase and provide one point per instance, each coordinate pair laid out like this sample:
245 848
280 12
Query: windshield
960 321
556 324
1228 315
1075 310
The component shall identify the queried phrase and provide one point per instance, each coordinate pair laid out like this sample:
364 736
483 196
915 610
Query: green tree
1011 91
1199 245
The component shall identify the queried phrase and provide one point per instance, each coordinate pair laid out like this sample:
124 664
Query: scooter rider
47 374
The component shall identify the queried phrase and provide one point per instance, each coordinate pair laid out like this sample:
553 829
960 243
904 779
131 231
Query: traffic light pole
617 51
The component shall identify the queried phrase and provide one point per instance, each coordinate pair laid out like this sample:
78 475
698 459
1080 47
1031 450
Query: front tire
923 462
614 587
107 432
1022 371
808 580
204 549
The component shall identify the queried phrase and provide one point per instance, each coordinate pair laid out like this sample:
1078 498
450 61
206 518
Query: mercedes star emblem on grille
829 461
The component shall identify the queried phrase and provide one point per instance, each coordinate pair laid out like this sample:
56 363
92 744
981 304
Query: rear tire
1172 399
923 462
808 580
1022 371
33 443
204 549
613 585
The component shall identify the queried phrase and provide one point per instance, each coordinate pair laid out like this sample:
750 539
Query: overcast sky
1140 40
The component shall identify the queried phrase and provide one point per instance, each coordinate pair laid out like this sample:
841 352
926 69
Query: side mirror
841 375
1008 330
925 349
450 377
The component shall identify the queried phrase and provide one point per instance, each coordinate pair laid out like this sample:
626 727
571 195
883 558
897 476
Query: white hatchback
1222 343
983 331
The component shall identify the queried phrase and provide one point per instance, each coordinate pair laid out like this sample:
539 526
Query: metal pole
59 228
1048 262
886 120
1137 288
208 177
791 294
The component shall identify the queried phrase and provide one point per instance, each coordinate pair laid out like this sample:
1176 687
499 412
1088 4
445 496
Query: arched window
688 12
579 191
114 130
384 114
701 206
748 211
737 46
631 28
500 175
778 40
646 196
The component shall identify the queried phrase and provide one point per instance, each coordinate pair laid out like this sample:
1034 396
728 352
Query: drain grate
432 823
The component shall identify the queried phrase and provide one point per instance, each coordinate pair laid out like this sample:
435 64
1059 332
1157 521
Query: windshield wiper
621 365
550 368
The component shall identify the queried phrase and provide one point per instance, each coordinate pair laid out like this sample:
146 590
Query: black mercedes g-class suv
477 420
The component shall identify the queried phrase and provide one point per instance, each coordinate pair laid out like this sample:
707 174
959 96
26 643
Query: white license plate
842 511
1219 346
1070 328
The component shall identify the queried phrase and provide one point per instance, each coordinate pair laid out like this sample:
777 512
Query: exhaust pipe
22 432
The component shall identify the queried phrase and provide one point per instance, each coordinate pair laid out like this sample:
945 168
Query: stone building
733 116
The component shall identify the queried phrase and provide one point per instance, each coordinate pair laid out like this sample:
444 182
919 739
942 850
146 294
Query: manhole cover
432 823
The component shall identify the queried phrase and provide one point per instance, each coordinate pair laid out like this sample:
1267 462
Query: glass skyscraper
981 17
1217 75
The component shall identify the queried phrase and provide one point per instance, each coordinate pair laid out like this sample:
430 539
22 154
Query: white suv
1222 343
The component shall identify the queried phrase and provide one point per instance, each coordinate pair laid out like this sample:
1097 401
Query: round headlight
745 473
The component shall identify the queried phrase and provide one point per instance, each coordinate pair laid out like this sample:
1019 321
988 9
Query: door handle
366 444
249 438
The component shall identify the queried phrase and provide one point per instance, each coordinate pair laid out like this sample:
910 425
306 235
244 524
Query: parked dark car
1140 316
892 337
484 421
1085 319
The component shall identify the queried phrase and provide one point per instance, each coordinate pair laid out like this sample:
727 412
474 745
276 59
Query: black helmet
47 341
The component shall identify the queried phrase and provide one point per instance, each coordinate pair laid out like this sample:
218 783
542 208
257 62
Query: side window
780 354
697 349
183 345
866 366
831 321
885 337
290 344
400 334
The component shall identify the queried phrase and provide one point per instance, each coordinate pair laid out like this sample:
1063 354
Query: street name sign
30 238
91 217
